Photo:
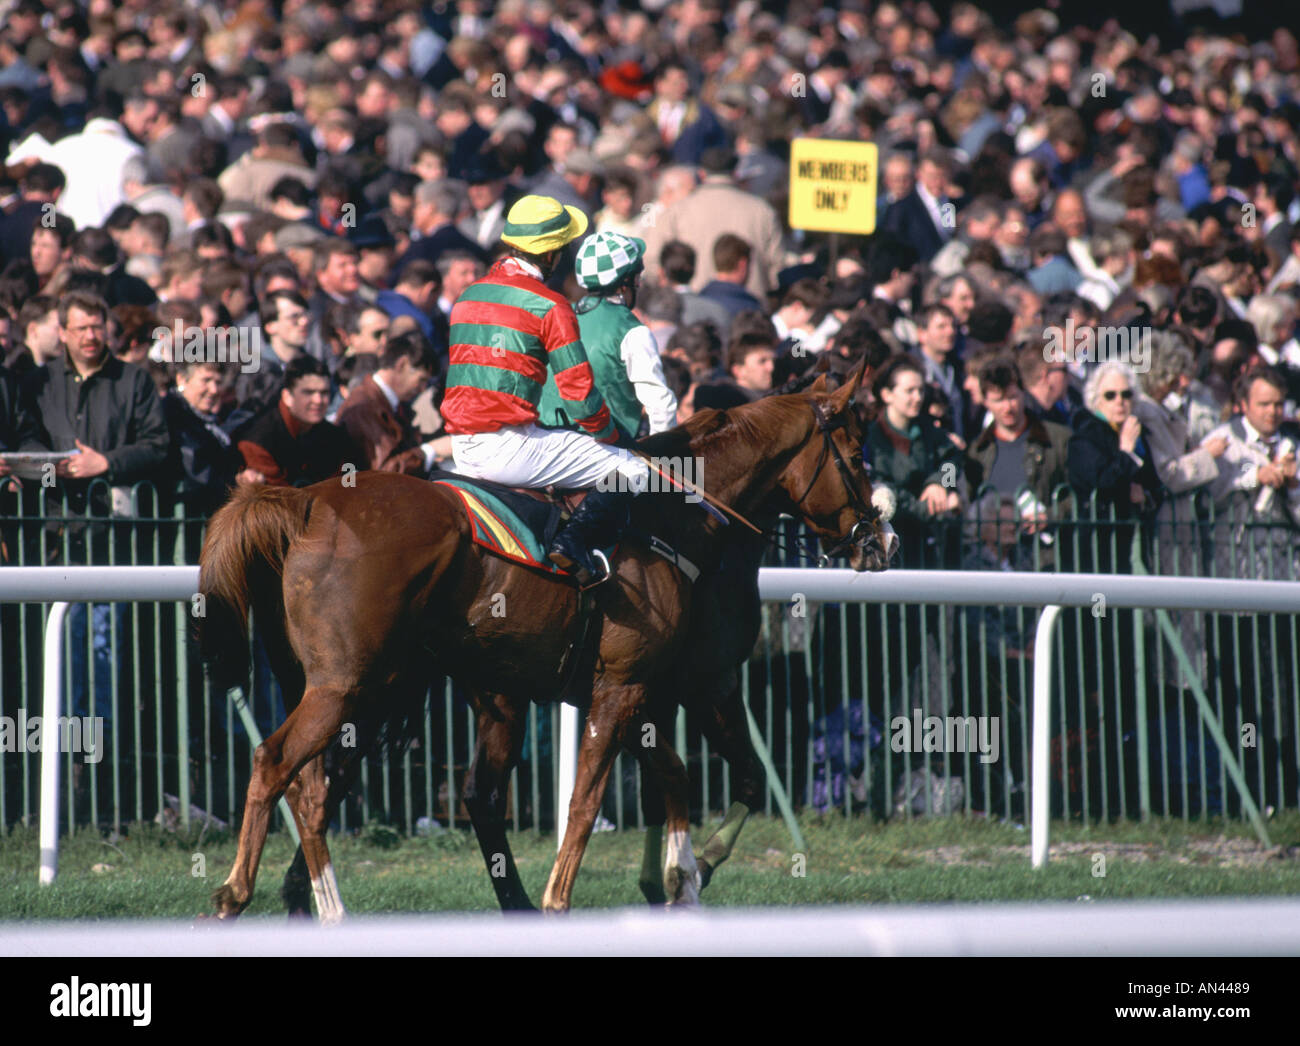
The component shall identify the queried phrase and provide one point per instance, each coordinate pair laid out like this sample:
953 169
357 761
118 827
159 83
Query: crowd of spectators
1082 289
318 185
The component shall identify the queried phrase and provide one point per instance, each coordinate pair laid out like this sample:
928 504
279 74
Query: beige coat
251 178
715 207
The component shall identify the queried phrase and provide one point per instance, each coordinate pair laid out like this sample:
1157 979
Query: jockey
623 353
508 330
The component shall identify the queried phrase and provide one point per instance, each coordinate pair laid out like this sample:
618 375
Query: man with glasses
293 445
92 403
369 332
285 324
109 413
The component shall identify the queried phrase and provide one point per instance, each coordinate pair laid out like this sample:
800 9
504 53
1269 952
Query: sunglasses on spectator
1110 394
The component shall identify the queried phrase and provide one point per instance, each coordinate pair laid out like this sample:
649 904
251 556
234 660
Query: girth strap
674 557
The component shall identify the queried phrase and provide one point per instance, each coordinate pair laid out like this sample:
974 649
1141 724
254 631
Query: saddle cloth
521 526
504 521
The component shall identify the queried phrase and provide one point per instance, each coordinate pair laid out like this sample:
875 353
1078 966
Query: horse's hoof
682 888
226 904
653 893
706 873
214 919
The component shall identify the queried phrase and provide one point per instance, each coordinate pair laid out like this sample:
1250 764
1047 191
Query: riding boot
596 524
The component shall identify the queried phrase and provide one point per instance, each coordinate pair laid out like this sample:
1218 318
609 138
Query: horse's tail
241 566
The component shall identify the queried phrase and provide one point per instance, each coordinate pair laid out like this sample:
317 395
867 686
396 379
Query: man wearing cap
623 353
508 331
490 196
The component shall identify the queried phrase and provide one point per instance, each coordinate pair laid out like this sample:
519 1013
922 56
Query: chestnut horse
365 591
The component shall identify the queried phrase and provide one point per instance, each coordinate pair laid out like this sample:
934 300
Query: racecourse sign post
833 185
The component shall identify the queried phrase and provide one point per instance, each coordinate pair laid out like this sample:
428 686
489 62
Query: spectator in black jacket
95 250
91 402
19 428
437 206
1109 457
1107 453
203 458
293 445
108 411
925 218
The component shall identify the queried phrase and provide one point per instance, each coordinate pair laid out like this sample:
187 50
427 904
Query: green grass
148 873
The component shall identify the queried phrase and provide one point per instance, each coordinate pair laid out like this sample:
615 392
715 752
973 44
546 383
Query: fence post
1040 798
53 699
183 674
567 758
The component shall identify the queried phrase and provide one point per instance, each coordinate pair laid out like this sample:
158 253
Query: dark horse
364 592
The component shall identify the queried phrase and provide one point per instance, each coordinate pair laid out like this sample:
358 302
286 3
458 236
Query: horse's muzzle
875 551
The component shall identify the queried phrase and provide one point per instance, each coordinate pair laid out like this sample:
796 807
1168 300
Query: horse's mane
750 423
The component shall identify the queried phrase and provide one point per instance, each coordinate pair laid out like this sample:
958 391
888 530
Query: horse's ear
843 396
819 385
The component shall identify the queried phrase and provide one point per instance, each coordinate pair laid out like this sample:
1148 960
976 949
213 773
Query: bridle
867 514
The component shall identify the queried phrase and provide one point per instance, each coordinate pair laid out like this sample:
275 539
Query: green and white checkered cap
605 258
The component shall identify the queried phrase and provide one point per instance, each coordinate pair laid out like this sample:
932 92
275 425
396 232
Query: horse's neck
740 474
743 473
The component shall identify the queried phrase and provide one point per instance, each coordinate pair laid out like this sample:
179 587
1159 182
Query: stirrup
597 554
575 569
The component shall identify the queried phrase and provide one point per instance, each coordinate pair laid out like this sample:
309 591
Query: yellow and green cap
538 224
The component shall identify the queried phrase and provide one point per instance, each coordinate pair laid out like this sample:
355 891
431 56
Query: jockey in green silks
623 353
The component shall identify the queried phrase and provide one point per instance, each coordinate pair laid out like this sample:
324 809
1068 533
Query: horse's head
827 485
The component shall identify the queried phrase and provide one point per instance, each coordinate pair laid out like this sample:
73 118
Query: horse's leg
501 725
726 727
652 809
681 875
298 886
612 708
308 795
301 737
651 880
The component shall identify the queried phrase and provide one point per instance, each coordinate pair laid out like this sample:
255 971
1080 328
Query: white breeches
529 456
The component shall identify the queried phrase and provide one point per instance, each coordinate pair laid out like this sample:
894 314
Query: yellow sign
833 185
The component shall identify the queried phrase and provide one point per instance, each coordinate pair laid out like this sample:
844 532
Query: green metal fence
825 684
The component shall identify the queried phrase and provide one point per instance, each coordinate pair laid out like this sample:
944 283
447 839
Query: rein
826 426
686 485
